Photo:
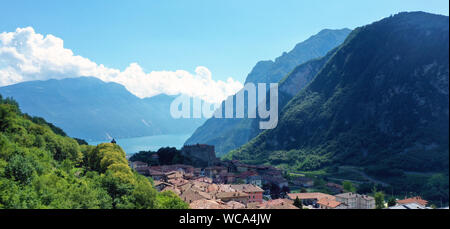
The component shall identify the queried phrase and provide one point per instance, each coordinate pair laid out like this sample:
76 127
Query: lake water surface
134 145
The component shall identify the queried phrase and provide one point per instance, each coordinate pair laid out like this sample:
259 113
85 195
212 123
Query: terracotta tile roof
329 203
206 204
198 185
192 195
204 179
277 204
174 174
155 172
253 205
248 188
178 181
225 188
235 205
354 195
409 206
416 199
212 188
190 186
310 195
231 195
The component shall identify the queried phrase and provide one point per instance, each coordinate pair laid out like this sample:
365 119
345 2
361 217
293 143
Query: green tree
144 194
169 200
348 186
20 168
392 201
40 167
298 203
379 200
116 189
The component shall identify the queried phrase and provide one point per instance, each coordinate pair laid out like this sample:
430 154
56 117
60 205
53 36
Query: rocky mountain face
381 100
228 134
316 46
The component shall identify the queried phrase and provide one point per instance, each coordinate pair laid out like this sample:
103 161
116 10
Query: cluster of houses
216 187
235 185
351 200
228 172
230 185
202 193
317 200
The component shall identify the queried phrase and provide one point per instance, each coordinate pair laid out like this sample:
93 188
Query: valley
363 123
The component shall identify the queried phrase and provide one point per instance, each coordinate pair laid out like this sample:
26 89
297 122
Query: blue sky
226 36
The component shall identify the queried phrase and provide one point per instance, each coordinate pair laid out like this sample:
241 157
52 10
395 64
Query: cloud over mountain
26 55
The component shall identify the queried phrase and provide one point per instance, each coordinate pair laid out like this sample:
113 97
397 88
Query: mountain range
91 109
374 100
228 134
381 102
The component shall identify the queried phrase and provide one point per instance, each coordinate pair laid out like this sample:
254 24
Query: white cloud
26 55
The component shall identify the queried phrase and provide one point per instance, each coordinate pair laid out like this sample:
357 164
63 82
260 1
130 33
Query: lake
134 145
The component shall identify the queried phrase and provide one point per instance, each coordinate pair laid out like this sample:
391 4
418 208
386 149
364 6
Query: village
215 184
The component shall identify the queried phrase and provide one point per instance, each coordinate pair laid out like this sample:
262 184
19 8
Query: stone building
326 203
356 201
202 155
254 193
237 196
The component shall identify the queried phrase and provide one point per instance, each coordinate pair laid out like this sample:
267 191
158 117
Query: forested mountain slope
42 169
228 134
381 100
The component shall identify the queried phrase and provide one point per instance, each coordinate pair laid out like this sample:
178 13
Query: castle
202 155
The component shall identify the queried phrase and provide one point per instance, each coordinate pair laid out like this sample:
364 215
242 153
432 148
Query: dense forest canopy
41 167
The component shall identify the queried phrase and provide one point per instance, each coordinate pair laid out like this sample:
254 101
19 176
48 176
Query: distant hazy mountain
91 109
381 102
228 134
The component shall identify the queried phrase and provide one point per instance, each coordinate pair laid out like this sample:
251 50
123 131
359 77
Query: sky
213 44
